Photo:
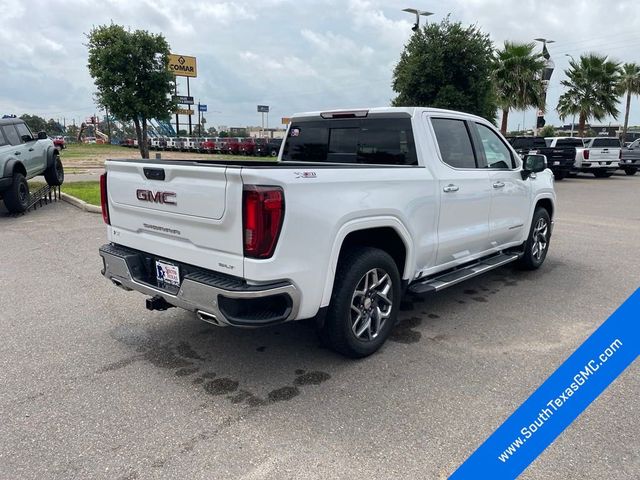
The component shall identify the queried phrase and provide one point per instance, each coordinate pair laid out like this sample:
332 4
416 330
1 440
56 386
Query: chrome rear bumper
216 298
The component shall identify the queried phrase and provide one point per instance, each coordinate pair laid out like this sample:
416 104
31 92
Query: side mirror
42 135
26 138
533 164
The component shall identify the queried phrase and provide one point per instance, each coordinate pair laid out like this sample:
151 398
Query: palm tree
592 89
629 85
517 79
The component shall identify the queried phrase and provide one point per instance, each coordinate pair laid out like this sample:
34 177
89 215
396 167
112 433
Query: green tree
629 85
447 65
547 131
517 79
35 123
130 70
592 89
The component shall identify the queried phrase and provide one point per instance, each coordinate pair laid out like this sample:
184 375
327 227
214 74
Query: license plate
167 274
556 163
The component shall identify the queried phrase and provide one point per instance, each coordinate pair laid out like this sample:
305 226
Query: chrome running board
435 284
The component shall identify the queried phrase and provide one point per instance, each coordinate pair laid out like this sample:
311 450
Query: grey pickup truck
22 157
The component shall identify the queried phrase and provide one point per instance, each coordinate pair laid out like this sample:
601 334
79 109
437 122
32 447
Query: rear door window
454 142
374 141
11 134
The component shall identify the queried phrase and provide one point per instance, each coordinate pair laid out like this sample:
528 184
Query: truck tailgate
186 212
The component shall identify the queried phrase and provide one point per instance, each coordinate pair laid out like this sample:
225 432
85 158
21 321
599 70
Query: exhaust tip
209 318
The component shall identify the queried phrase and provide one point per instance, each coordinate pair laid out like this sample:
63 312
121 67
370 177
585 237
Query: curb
81 204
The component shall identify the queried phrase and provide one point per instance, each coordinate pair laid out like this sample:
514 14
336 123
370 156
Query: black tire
338 332
531 258
630 171
560 176
54 175
603 174
16 197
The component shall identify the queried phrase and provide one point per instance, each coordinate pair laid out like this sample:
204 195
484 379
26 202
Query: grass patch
87 191
92 150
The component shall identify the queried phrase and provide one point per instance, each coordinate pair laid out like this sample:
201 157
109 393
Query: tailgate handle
154 173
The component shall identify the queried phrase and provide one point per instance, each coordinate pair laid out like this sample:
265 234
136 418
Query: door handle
451 188
498 185
31 149
17 153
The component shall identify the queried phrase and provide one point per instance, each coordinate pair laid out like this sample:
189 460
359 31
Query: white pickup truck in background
361 207
600 156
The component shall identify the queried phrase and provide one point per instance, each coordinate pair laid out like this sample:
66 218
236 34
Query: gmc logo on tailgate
167 198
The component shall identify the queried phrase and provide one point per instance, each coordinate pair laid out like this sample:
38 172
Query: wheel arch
13 166
387 233
547 204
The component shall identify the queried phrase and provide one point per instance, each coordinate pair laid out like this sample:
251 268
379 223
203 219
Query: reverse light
103 199
262 216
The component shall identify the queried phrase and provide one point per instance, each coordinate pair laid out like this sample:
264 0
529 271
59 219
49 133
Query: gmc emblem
167 198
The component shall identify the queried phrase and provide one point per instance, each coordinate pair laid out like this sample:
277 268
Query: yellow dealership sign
182 65
184 111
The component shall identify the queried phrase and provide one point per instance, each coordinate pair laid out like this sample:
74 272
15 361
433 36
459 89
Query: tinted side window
454 142
11 134
367 141
495 151
23 130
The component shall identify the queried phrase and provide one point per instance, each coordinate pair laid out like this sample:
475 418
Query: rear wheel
537 245
560 175
54 175
16 197
364 304
630 171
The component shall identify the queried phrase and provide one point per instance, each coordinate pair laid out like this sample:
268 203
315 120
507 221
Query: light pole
417 13
546 76
573 117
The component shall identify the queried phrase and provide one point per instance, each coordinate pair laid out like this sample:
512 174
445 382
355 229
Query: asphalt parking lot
96 386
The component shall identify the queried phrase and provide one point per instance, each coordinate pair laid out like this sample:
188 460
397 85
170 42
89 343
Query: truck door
33 154
19 150
510 194
465 194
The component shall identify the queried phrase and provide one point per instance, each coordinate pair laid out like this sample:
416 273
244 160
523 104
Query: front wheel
537 244
630 171
364 303
54 175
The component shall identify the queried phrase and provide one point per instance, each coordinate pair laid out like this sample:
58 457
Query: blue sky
292 55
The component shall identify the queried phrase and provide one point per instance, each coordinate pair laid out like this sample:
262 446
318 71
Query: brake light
585 153
262 216
103 199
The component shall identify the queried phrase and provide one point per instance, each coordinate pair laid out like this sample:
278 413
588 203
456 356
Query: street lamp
417 14
546 76
573 117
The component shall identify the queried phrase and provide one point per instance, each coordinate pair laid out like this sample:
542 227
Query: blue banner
560 399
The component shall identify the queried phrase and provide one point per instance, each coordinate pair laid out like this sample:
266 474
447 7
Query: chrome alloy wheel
540 239
371 304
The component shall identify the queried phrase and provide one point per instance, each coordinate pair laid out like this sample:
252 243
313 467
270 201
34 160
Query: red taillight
585 153
103 199
262 215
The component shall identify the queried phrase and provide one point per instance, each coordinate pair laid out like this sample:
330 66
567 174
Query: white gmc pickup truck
361 207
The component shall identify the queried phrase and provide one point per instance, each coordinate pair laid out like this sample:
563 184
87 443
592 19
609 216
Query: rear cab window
371 141
569 142
605 143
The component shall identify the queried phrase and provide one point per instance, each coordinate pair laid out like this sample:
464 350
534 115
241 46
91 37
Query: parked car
59 142
172 144
23 156
630 161
560 158
361 207
231 145
600 156
270 148
564 151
